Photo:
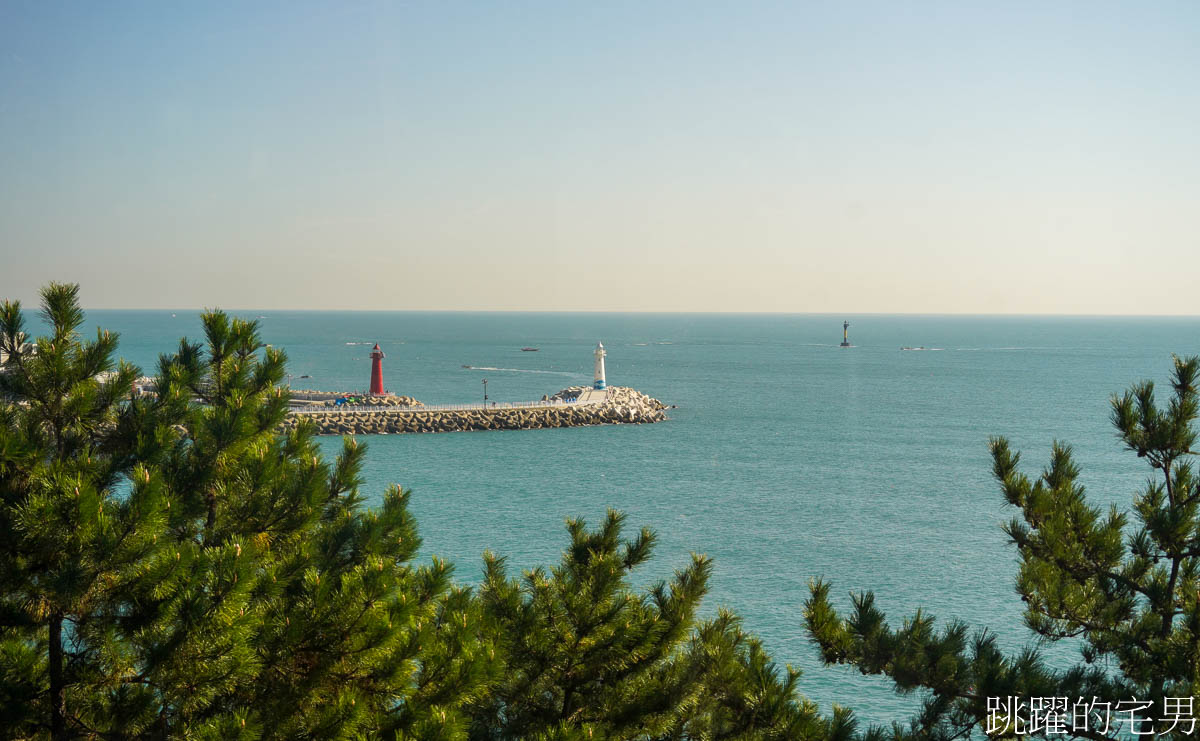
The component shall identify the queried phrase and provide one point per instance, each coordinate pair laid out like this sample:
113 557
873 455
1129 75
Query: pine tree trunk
58 730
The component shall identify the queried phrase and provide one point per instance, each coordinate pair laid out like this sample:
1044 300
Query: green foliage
1129 593
69 544
172 566
587 656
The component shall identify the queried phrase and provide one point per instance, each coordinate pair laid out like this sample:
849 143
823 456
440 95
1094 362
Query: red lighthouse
377 370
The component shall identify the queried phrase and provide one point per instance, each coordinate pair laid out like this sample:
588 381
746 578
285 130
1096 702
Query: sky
925 157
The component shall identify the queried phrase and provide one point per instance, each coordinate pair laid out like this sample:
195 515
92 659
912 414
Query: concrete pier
571 407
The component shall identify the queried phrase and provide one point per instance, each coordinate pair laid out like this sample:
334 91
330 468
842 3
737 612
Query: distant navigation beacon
845 334
599 353
377 370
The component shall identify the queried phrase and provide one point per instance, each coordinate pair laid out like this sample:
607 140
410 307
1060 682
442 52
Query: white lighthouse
600 353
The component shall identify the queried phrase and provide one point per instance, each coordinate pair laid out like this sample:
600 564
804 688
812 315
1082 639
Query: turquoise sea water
788 457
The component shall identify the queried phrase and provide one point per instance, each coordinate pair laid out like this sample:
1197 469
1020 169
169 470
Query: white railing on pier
476 407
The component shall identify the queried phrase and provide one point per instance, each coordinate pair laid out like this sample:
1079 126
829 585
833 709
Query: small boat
467 367
529 349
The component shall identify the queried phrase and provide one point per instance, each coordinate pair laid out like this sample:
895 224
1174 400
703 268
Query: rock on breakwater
621 406
305 398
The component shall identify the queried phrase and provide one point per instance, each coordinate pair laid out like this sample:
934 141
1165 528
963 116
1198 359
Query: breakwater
572 407
309 399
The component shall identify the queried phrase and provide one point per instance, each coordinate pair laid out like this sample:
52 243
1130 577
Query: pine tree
296 611
174 567
77 518
587 657
1130 592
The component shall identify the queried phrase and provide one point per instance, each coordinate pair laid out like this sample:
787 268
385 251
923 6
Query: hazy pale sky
976 157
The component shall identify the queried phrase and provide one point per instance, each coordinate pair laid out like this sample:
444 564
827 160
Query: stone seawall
623 406
309 398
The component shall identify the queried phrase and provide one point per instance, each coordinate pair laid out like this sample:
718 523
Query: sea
786 458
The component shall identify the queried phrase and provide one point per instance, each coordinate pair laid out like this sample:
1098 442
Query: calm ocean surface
788 458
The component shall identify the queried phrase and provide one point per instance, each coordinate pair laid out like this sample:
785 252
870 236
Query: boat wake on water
520 370
1006 349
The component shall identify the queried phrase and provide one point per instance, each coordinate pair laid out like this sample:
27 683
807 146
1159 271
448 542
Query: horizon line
680 312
